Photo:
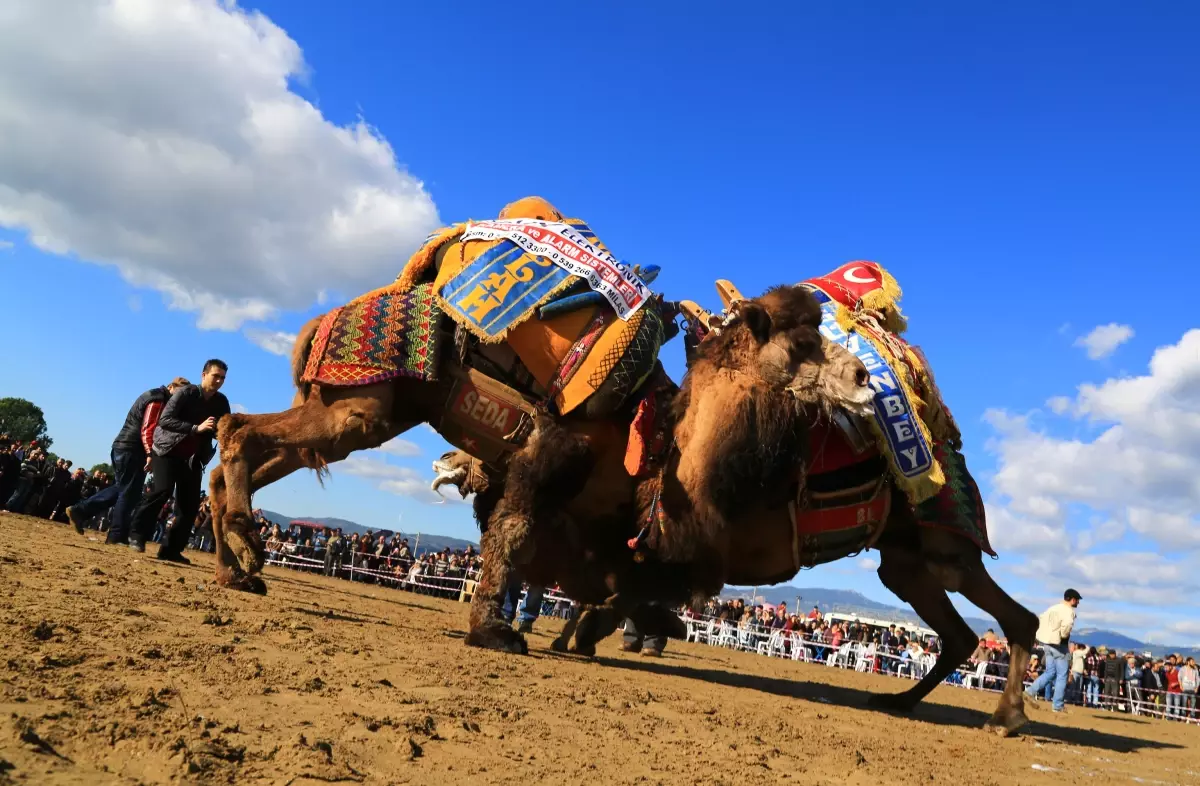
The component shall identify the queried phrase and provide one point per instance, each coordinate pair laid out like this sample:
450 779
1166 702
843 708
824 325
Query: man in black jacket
183 445
130 459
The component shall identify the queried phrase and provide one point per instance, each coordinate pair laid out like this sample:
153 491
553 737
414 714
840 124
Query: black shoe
75 520
176 558
525 626
137 545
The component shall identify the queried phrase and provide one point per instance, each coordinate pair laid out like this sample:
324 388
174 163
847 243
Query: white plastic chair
976 678
772 646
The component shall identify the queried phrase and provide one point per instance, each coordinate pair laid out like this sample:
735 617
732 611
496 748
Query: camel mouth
447 474
860 402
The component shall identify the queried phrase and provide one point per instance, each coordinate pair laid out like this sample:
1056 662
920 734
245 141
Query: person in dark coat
130 460
182 447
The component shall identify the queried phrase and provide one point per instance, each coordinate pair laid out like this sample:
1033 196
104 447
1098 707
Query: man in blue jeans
531 609
130 459
1054 634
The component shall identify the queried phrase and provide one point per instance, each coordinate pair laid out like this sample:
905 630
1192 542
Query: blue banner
894 413
499 287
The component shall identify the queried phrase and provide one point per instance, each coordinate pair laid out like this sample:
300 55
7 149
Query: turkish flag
850 282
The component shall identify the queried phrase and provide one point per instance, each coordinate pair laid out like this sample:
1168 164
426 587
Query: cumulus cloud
1114 508
868 563
400 447
239 409
1144 453
401 481
161 137
1104 340
274 341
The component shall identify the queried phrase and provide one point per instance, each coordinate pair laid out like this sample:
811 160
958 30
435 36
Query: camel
920 561
566 468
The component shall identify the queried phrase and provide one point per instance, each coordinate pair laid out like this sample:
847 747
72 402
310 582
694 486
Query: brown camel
569 469
921 562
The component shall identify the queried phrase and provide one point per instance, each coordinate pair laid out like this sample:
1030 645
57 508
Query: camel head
461 470
775 340
753 386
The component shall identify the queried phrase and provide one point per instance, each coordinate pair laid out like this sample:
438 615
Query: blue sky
1027 172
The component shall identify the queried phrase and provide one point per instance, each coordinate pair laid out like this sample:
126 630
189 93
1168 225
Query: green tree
23 420
104 467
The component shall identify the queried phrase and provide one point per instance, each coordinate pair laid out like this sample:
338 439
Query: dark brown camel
569 469
920 564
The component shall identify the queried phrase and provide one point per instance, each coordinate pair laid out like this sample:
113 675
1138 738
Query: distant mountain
1096 637
427 541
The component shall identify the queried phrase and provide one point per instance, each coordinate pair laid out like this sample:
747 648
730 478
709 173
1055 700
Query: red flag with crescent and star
850 282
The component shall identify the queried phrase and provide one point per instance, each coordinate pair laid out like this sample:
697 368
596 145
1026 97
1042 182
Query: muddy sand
120 669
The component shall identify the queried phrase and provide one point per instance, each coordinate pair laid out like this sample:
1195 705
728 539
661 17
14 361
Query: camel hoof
1006 725
558 645
587 650
498 637
245 583
891 702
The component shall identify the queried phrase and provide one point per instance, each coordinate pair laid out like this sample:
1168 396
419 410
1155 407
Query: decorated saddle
547 319
500 281
912 430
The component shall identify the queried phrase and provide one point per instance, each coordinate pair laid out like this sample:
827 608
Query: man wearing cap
1054 634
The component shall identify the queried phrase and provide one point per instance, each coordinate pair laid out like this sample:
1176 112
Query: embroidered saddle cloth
379 336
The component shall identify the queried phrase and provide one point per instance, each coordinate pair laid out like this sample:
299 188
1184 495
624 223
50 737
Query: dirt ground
120 669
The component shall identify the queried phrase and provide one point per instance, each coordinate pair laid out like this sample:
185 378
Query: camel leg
564 638
598 624
328 428
1020 627
236 545
905 573
550 470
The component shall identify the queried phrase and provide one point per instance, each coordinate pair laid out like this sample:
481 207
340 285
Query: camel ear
757 319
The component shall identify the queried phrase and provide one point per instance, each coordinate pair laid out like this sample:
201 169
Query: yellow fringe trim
886 301
420 262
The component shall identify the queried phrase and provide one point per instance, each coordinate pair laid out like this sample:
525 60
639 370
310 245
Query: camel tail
311 458
300 354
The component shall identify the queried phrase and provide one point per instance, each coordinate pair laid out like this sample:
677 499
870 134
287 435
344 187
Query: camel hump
531 207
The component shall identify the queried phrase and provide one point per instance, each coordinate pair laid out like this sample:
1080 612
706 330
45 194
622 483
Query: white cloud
868 563
239 409
160 136
1113 509
6 245
1144 455
401 481
1186 627
1059 405
274 341
400 447
1104 340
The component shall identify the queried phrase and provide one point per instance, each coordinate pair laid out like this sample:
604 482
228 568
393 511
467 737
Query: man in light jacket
1054 634
1189 682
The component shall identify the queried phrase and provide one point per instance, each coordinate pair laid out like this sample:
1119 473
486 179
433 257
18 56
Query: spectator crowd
36 484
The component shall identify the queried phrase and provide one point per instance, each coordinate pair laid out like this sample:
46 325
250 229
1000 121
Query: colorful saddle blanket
379 336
